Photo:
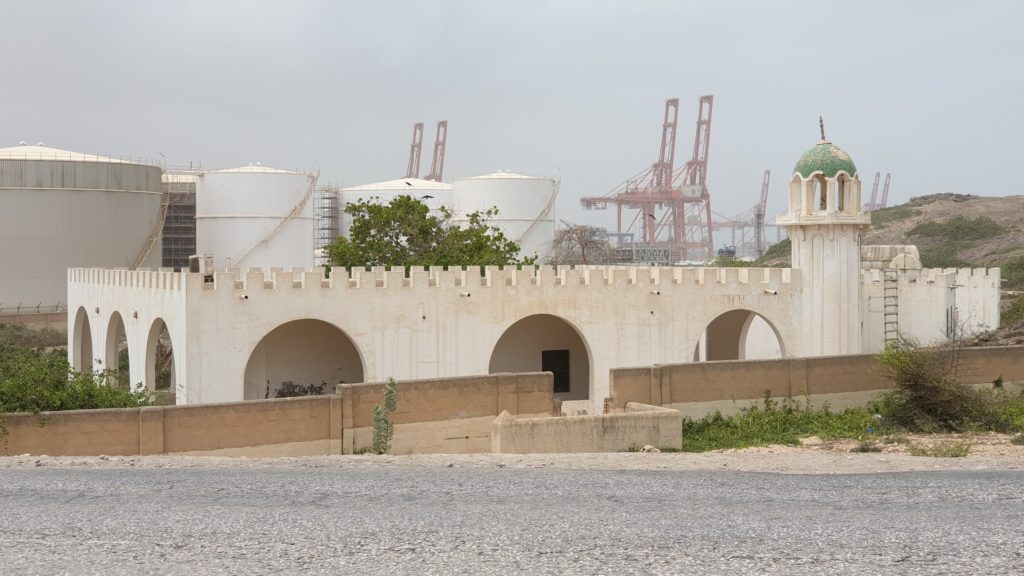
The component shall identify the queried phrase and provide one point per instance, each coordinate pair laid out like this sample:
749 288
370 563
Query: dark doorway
557 362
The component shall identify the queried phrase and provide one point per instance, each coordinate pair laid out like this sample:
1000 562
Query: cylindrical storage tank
433 194
526 207
61 209
255 217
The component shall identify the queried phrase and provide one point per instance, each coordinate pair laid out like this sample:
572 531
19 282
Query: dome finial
821 125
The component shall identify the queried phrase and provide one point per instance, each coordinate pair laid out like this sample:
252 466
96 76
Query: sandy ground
988 452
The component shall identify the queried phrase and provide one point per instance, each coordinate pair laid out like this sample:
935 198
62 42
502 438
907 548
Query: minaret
824 223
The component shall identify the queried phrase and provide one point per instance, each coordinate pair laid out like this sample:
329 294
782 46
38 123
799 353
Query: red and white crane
673 206
413 170
440 143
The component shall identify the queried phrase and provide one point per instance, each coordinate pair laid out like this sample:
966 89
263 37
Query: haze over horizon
926 90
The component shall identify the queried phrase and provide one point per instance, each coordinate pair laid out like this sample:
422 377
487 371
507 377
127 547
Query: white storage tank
526 207
433 194
61 209
255 217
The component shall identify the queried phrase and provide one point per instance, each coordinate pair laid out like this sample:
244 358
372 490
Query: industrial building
179 231
61 209
526 207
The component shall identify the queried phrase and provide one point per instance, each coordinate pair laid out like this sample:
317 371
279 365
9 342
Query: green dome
826 158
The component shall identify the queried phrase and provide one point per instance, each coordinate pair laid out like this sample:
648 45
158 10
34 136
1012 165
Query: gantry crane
440 143
413 170
874 204
673 204
748 228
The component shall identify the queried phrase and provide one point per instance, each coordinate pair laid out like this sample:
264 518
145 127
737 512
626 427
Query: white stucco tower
824 223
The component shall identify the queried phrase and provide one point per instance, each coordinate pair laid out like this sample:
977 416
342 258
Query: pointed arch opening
739 335
81 354
116 357
546 343
299 358
160 376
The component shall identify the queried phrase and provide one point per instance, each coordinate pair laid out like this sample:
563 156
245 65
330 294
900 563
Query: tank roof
43 152
411 184
254 169
506 174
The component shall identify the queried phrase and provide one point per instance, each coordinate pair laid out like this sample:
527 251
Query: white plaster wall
141 298
436 323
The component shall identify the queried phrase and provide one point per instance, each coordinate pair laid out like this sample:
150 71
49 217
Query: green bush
383 428
1014 313
22 336
775 422
960 228
33 380
928 398
1013 273
775 251
944 256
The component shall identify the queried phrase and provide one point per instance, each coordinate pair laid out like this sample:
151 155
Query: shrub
35 381
289 389
960 228
944 256
928 398
1014 313
884 216
12 334
383 429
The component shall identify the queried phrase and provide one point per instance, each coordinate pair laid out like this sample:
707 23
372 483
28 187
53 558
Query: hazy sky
931 91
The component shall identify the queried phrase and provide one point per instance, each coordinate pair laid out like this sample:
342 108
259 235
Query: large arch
160 359
739 335
81 354
116 347
544 342
303 352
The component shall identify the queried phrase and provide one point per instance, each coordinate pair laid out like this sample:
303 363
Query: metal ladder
891 305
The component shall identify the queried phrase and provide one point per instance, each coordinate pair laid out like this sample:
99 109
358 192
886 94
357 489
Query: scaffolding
327 211
179 229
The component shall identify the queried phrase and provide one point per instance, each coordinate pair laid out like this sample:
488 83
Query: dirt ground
987 452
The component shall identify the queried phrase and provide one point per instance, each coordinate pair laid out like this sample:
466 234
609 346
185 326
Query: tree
580 244
404 233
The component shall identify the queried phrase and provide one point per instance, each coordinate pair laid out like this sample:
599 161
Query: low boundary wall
698 389
638 426
440 415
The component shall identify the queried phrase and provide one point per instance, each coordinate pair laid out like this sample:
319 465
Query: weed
953 449
895 439
866 446
775 422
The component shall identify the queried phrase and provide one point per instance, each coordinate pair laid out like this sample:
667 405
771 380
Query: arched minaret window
820 193
842 187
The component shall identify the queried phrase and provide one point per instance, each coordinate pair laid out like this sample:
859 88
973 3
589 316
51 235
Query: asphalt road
503 521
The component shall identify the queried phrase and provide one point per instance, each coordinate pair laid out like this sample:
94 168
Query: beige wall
444 415
638 426
459 410
845 380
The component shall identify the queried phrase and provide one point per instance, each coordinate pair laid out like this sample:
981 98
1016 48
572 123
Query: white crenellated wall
933 306
433 323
